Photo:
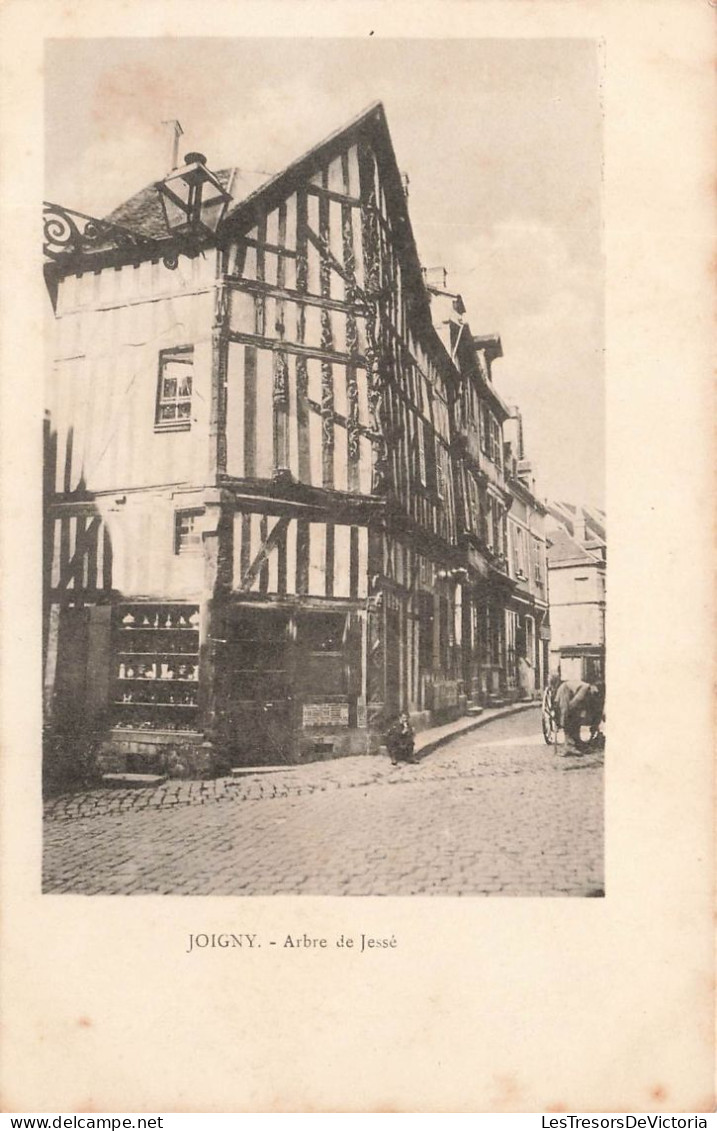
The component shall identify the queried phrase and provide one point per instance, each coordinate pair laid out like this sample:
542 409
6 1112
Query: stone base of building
424 720
315 747
187 754
178 755
174 754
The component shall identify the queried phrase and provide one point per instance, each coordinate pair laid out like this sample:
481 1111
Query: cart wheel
549 721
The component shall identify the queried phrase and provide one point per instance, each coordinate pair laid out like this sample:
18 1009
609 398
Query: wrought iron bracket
68 233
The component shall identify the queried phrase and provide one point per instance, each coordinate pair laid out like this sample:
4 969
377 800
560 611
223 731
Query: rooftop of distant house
585 522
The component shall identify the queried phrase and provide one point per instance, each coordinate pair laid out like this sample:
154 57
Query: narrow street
493 812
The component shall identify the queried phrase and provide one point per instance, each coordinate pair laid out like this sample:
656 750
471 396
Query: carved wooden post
218 539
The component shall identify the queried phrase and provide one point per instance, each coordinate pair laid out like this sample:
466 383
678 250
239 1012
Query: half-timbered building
276 502
483 503
251 537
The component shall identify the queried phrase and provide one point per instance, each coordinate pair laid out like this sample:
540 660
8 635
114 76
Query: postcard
356 635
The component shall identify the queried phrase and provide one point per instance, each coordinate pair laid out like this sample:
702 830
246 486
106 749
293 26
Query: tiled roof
578 518
564 549
143 212
596 520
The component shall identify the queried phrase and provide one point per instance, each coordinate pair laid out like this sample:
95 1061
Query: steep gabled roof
465 349
562 513
369 125
371 119
564 549
142 214
589 523
596 521
522 491
490 344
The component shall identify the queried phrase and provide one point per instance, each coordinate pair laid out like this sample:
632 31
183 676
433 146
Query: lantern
194 201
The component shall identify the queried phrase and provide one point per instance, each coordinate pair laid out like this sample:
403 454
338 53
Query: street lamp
193 199
193 202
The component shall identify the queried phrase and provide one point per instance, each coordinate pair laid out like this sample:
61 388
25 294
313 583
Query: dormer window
174 390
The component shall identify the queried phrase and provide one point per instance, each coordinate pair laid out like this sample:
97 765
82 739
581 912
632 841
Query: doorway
258 686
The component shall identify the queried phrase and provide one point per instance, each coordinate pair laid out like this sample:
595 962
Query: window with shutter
430 457
440 473
484 419
421 451
497 454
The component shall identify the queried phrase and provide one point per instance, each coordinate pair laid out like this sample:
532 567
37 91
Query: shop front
290 682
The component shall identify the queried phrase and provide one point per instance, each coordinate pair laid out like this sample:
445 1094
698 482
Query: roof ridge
359 119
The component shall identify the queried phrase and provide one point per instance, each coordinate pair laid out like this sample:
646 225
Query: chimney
177 132
509 460
584 527
518 417
435 277
525 473
490 347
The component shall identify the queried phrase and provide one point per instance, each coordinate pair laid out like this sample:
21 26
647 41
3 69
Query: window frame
441 479
484 428
497 442
183 355
537 562
498 533
430 455
193 547
420 450
489 522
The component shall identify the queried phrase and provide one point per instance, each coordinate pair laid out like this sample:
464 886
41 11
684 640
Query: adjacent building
276 501
483 505
577 562
528 630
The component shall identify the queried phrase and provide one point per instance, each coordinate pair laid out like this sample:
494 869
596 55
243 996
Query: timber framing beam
260 287
281 497
272 344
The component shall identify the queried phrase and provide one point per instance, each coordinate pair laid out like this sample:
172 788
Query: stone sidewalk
355 771
429 740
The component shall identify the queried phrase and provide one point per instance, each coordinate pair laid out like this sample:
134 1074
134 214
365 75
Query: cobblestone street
492 812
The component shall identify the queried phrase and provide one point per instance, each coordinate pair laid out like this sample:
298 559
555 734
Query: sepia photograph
324 527
331 336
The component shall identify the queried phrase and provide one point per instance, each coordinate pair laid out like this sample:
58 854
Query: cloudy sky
502 143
